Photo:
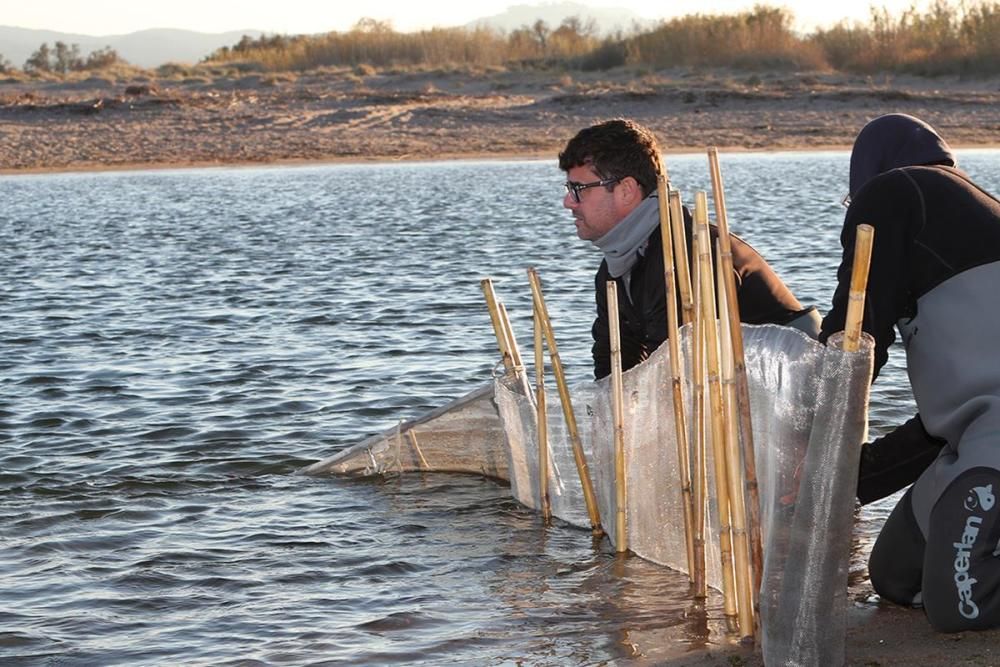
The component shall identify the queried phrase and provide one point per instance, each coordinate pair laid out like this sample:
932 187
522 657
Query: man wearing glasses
611 171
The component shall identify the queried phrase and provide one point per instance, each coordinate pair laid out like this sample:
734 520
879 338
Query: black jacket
931 223
763 298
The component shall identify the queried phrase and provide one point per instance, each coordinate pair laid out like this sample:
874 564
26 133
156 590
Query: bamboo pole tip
864 234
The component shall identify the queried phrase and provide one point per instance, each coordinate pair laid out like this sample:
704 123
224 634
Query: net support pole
618 416
741 546
567 405
498 328
411 434
742 387
695 562
515 351
708 314
859 284
682 262
699 459
542 419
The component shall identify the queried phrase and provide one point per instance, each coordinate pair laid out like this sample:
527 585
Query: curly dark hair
615 149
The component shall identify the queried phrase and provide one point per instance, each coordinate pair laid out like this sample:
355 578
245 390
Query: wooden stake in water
742 387
677 380
681 258
859 284
499 330
567 405
741 545
708 314
618 415
699 460
515 352
542 419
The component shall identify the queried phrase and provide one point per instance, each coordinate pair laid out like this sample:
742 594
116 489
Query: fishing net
808 405
464 435
809 413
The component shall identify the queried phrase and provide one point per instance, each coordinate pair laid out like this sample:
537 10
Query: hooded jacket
934 270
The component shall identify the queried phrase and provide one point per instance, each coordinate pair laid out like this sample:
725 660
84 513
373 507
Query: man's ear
631 191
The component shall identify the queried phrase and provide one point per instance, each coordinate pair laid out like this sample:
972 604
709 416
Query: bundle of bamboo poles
720 405
700 293
511 359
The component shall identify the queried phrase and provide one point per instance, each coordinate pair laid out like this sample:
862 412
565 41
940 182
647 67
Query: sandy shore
335 116
100 123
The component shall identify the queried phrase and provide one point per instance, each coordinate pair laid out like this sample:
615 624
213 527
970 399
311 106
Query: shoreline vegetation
743 81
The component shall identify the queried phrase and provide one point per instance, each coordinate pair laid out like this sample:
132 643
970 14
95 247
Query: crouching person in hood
935 272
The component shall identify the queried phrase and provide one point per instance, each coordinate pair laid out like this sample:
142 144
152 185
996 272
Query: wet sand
340 115
101 123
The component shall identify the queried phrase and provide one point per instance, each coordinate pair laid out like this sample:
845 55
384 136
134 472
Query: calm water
175 345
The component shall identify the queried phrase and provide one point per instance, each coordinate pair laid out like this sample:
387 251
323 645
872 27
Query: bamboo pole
618 415
498 327
699 464
416 447
742 386
542 419
677 378
399 445
709 321
682 262
859 283
515 352
567 405
741 544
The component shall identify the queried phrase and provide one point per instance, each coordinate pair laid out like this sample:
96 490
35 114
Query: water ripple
176 344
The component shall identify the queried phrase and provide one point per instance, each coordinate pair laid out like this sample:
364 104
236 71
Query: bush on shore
959 37
944 39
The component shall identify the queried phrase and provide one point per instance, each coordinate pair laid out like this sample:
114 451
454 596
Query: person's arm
763 296
602 336
895 460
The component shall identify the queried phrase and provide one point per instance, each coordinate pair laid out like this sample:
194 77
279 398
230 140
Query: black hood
895 140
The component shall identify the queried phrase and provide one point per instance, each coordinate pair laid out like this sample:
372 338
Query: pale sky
113 17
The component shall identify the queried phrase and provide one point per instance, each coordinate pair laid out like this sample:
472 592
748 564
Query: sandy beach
345 115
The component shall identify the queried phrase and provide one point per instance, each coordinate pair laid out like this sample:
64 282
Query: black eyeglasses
574 188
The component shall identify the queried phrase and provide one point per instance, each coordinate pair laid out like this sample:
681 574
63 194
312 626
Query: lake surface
175 345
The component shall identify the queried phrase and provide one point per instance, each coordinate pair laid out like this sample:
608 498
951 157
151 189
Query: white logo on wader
979 498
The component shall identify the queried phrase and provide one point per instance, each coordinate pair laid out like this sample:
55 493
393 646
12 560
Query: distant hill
608 19
146 48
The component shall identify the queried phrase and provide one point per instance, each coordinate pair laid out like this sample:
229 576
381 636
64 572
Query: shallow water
177 344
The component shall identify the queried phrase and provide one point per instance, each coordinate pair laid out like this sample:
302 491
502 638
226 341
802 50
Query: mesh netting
809 414
463 436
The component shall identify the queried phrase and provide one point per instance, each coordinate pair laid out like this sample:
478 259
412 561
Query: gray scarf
621 245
